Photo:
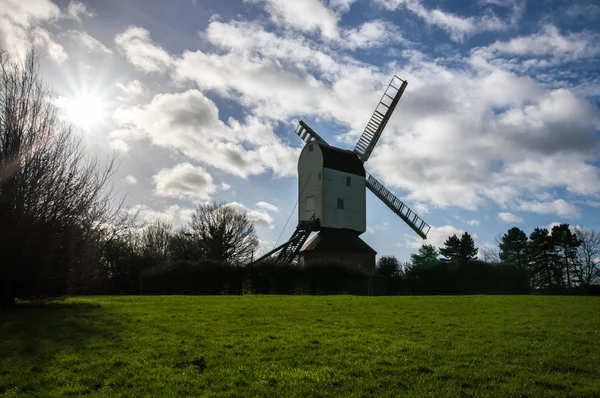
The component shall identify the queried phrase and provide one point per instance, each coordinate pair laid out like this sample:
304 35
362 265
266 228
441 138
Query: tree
513 248
468 251
542 259
55 206
566 244
185 246
388 266
459 250
451 250
490 254
155 242
426 258
587 267
224 233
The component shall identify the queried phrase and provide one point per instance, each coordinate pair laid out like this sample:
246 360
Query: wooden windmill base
338 246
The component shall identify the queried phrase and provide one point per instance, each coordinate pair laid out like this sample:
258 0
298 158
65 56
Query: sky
499 125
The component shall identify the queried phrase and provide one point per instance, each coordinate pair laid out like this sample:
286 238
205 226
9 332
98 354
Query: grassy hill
520 346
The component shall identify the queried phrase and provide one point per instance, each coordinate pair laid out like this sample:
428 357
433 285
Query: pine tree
542 258
566 244
451 250
426 258
468 251
513 248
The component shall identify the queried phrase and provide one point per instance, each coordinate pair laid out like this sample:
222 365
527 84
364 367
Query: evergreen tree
542 258
513 248
388 266
566 244
426 258
451 250
468 251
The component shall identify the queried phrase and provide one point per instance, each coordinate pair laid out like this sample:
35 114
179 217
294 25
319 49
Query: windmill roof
344 240
342 160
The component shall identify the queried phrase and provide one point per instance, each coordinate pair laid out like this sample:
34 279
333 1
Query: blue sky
499 125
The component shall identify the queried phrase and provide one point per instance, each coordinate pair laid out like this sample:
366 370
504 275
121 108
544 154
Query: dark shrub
186 277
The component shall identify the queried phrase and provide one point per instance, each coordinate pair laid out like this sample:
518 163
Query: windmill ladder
398 207
290 249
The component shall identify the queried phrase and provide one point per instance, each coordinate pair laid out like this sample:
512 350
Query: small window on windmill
310 148
319 176
340 203
348 181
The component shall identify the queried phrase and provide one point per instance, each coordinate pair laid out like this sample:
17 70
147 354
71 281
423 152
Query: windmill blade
396 205
307 134
380 117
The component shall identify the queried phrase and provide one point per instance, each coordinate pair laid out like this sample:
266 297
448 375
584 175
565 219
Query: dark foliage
513 248
184 277
55 205
566 244
388 266
451 250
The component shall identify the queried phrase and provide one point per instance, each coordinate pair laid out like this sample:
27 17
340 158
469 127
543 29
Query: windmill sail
396 205
307 134
380 117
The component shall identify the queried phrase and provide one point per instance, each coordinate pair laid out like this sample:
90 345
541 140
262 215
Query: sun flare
84 110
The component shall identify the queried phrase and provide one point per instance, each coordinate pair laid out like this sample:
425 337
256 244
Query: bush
186 277
335 278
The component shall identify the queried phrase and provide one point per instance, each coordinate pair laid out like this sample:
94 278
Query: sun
84 110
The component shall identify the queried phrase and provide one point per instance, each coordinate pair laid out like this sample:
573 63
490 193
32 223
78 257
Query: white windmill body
332 185
331 188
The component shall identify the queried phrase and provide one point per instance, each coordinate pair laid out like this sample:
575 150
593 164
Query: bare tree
587 266
55 201
224 233
155 241
489 253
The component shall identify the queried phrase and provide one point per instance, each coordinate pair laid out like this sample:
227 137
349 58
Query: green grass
520 346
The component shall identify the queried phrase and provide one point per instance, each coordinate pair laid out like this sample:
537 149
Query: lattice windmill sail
331 193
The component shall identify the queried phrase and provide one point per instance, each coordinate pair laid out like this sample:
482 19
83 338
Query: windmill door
310 207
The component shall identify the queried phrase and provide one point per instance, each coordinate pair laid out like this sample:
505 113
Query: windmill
332 186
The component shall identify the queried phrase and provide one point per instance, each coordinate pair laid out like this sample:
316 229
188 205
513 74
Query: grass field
278 346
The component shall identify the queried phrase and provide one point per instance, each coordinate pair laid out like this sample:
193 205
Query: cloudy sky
499 125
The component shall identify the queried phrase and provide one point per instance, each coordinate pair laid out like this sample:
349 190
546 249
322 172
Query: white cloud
473 222
306 16
130 179
459 135
341 5
372 34
268 207
42 38
132 88
559 207
189 123
18 19
90 43
138 48
458 27
276 77
76 10
259 218
176 215
548 42
436 236
421 208
314 16
184 181
510 218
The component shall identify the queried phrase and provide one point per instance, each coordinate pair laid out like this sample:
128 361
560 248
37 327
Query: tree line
555 261
64 231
